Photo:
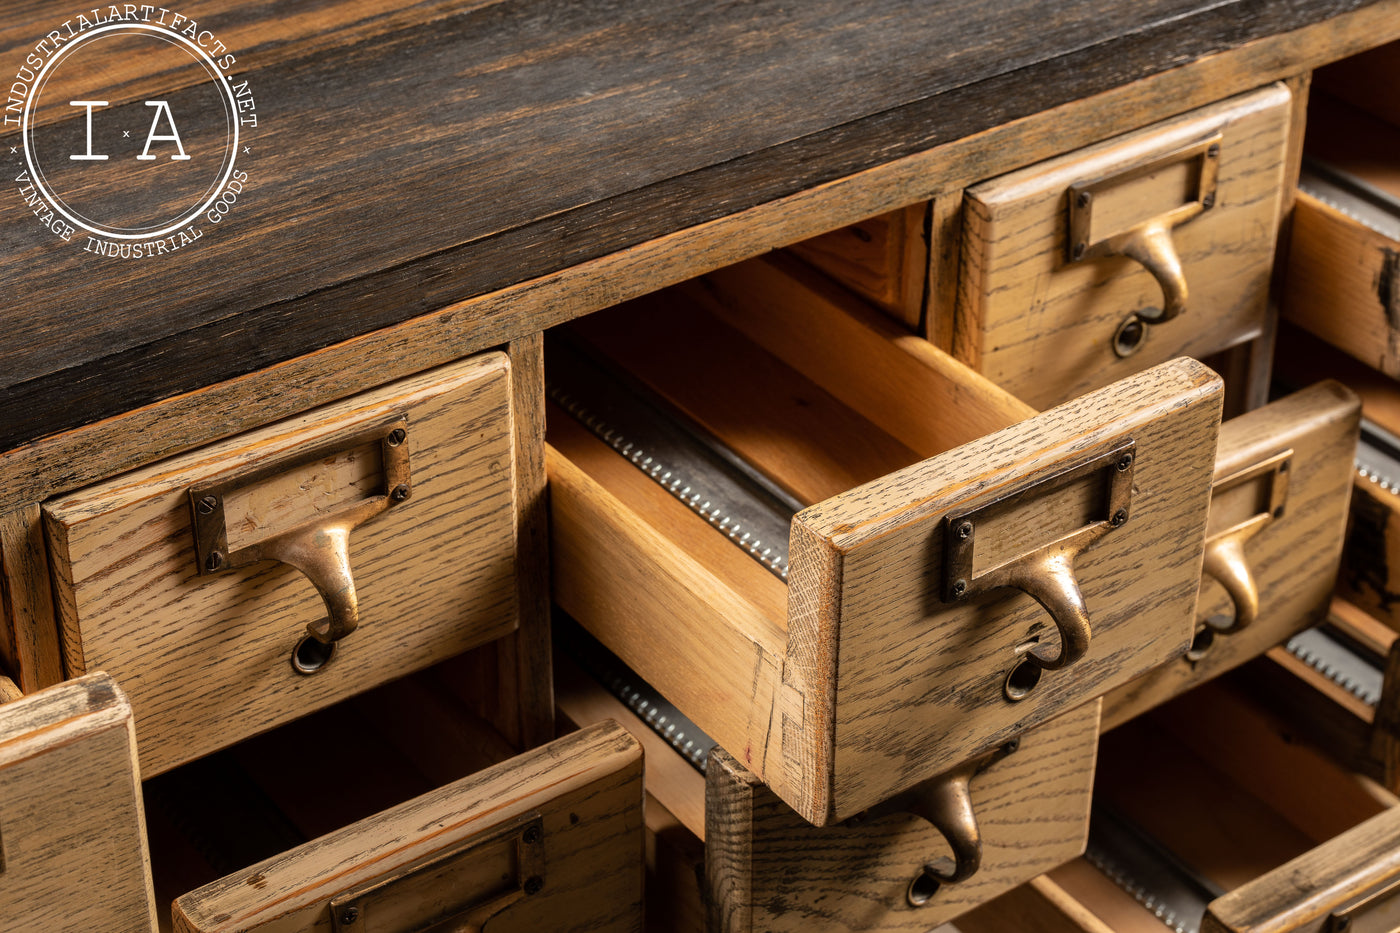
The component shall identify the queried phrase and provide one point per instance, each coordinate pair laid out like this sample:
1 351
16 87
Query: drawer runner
1341 660
685 459
1157 878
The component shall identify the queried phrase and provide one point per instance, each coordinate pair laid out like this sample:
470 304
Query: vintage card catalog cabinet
253 581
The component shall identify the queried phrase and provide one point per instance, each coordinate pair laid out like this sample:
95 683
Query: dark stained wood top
412 154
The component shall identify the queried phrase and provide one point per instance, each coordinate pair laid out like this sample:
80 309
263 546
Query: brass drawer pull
1118 232
458 890
1224 553
1045 573
318 547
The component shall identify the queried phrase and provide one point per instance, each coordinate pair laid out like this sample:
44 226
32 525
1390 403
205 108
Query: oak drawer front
548 840
72 827
867 673
770 870
1044 324
1283 477
207 658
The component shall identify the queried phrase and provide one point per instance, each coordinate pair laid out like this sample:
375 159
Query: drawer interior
1223 786
232 809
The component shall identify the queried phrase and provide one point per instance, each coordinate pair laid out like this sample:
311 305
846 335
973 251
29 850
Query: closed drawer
550 839
1283 479
205 583
879 664
1157 244
767 869
1213 813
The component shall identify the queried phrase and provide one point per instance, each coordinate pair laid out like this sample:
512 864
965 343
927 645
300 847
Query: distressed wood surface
870 546
1043 326
343 271
206 660
671 780
885 260
587 787
199 408
71 750
770 870
29 644
1293 559
1341 283
9 690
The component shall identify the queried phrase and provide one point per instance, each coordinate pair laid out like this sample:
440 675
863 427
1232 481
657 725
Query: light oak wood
29 643
586 787
672 781
1293 559
921 396
884 259
71 458
1299 896
1043 326
72 824
765 682
770 870
8 690
1039 906
207 659
1371 561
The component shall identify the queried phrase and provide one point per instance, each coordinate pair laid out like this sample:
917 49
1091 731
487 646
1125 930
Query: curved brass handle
1151 245
1048 577
1225 561
319 548
947 805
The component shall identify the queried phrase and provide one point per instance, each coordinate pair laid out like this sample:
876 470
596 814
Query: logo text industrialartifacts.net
130 123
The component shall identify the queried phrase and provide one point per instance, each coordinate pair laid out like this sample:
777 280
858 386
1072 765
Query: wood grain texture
207 660
628 557
1293 559
9 691
1370 571
1299 896
1038 906
29 643
71 749
587 787
912 390
884 259
1340 284
1043 326
338 282
671 780
255 380
871 643
770 870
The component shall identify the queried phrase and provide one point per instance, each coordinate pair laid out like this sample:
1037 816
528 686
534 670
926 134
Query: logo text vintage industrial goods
130 124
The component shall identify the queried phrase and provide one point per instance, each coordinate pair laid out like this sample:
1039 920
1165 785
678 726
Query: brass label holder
1150 241
319 548
1224 550
1045 573
1375 911
459 889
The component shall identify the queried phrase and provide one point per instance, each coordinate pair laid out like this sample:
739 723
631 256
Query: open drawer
902 643
1210 815
1278 515
890 869
245 584
1343 280
549 839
